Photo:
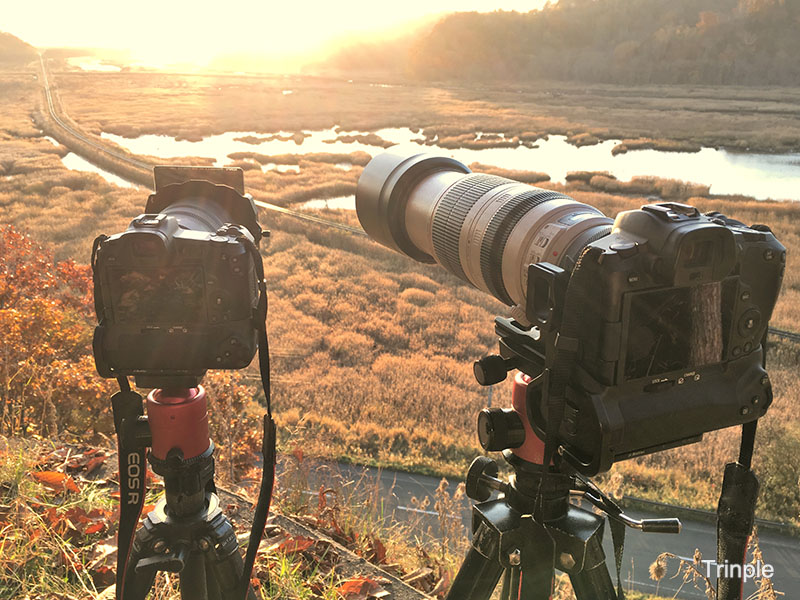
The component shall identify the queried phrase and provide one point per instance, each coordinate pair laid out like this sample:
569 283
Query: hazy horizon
178 33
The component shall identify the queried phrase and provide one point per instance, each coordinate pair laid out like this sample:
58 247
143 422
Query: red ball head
178 419
533 448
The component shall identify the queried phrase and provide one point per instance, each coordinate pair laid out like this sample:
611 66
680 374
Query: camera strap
127 408
268 441
737 506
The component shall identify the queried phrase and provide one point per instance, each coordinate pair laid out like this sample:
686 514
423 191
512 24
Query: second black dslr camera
658 315
177 293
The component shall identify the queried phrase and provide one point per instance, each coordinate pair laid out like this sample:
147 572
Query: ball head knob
490 369
499 429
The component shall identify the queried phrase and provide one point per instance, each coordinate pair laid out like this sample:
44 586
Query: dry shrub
586 176
648 186
417 297
416 280
244 165
369 139
655 144
583 139
348 348
529 177
234 424
47 380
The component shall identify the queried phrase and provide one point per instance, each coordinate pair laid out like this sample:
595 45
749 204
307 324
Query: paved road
641 549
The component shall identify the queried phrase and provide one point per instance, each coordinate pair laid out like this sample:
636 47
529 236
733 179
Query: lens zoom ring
448 220
498 231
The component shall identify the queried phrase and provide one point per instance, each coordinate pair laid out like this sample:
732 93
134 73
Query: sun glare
160 34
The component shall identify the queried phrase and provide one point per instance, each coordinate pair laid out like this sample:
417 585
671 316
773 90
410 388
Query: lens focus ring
497 232
450 214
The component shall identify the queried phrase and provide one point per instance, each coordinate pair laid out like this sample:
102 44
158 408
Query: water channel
78 163
762 176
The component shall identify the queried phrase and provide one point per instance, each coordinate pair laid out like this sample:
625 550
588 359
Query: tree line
730 42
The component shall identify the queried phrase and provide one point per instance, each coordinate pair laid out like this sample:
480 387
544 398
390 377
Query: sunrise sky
169 31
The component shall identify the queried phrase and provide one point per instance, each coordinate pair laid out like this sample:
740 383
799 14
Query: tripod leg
227 574
593 583
536 581
476 579
506 585
193 578
137 585
212 585
510 590
224 564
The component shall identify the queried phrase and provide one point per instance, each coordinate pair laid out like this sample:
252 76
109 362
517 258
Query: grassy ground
381 346
58 520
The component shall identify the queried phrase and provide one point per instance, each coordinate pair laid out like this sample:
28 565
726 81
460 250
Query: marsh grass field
374 351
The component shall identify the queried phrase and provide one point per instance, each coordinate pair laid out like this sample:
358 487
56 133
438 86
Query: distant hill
737 42
14 52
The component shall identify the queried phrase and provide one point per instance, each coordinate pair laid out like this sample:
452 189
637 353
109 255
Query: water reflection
759 175
85 63
78 163
281 168
342 202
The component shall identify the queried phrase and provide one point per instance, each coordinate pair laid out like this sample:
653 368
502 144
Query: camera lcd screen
676 329
159 295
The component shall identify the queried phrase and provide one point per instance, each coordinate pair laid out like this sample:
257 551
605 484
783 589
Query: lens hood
383 190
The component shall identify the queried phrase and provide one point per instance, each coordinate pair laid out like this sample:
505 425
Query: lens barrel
484 229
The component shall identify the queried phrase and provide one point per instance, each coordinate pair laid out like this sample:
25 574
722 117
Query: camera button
749 322
659 386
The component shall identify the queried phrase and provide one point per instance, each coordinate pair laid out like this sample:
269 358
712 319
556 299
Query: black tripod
534 529
523 543
186 533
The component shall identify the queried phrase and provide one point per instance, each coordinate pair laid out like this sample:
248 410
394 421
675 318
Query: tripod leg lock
171 561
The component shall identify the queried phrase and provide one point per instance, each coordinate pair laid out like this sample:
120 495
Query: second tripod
533 528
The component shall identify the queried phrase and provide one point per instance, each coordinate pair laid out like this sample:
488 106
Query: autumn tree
47 378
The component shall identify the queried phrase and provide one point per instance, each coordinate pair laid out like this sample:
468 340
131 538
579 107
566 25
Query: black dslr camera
668 313
647 331
177 293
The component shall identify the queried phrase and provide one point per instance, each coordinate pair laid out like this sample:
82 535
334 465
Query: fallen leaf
56 481
103 576
293 545
103 552
377 553
94 528
94 463
359 588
